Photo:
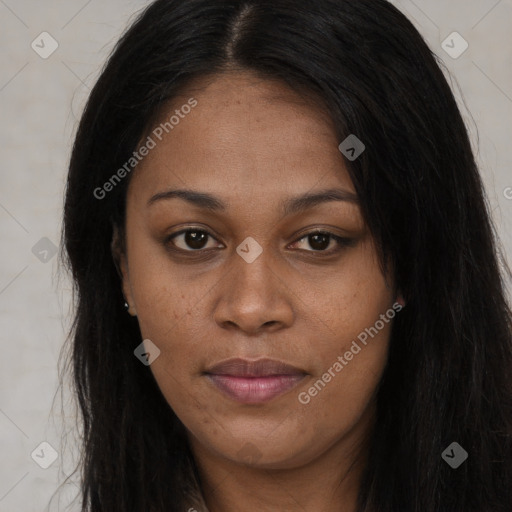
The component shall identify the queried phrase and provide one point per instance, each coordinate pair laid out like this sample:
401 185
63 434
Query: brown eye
320 241
190 239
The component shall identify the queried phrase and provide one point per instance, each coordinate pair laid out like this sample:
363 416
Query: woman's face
247 282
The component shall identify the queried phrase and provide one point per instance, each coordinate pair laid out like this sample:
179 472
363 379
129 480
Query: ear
117 248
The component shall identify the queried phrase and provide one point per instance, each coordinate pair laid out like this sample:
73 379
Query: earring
400 300
126 306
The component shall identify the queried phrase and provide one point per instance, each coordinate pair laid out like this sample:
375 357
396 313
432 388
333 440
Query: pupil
195 239
315 243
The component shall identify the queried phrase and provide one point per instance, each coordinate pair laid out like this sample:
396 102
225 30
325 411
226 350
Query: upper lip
238 367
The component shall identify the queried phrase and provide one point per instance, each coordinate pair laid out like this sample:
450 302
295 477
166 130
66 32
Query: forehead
246 135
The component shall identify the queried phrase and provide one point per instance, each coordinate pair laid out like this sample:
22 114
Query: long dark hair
448 377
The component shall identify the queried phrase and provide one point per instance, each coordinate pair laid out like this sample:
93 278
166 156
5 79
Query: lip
255 381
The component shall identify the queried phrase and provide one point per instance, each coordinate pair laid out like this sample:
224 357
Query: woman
283 195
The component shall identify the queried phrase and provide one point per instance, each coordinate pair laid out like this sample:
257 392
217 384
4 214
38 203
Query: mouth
253 382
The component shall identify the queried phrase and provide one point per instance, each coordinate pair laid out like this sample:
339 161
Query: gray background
41 101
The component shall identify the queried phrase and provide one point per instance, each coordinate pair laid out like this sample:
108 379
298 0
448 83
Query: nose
254 297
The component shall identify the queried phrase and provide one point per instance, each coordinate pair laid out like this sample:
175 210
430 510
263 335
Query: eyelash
341 241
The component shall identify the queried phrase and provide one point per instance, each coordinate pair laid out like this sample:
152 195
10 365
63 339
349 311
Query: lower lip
254 390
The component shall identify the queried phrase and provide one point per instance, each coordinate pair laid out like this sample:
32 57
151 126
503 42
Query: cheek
352 354
339 397
350 301
176 370
163 300
168 314
349 373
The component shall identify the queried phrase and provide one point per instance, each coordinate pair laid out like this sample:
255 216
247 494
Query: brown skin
254 143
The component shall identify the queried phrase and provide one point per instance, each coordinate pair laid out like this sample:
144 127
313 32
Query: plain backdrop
40 102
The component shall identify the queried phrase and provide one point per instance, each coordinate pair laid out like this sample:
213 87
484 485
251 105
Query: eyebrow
292 205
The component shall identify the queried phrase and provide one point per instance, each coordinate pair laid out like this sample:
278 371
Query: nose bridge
253 294
253 268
